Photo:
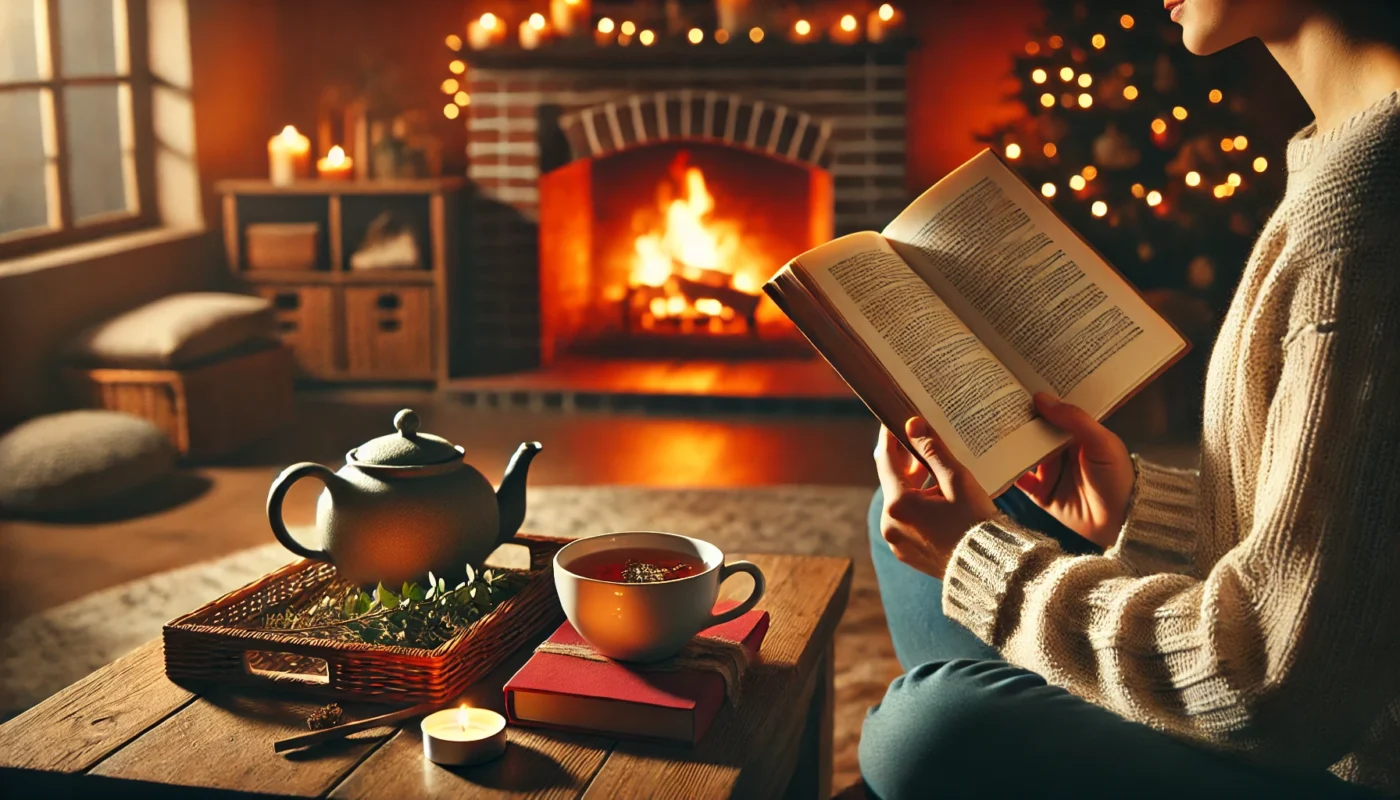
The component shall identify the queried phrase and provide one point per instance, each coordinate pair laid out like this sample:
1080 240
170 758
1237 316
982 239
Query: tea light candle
846 31
532 32
288 156
569 16
882 22
462 736
486 31
336 166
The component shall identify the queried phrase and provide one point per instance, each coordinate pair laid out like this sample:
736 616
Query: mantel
582 54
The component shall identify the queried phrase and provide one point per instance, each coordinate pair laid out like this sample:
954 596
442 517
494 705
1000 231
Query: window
74 122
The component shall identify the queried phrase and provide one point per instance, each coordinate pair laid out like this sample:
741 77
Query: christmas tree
1146 149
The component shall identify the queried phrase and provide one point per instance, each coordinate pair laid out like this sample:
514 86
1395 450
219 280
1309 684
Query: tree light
1219 191
722 35
1261 164
1241 143
628 27
1130 92
1013 151
1193 178
537 21
1090 172
1100 208
462 99
1077 182
646 38
848 23
1056 42
451 111
886 12
1032 48
450 86
1085 100
1216 95
1049 149
1139 190
606 25
457 67
802 27
1179 112
1066 74
1098 41
696 36
755 35
1159 126
1086 80
1047 100
1126 21
1038 75
1234 179
1154 198
1048 190
454 41
1067 100
1227 144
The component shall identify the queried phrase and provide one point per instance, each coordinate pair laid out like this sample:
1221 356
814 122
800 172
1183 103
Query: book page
971 399
1049 307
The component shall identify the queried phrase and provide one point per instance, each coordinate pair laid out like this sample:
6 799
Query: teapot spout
510 497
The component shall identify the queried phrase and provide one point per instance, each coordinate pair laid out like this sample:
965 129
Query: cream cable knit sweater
1254 605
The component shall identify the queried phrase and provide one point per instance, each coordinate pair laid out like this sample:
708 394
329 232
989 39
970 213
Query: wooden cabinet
344 324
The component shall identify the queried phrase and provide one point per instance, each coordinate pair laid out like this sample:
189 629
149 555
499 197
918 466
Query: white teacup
647 621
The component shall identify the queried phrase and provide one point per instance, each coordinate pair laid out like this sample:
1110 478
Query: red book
576 694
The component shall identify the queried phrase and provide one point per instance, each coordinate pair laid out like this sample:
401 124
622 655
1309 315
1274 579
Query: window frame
139 81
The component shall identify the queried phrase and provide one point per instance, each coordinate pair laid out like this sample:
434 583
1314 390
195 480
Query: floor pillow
79 459
175 331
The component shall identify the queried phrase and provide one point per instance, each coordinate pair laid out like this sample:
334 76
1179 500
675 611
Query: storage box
282 245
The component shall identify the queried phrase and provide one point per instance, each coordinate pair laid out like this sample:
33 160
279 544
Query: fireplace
629 203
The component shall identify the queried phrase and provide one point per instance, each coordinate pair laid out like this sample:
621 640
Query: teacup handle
745 607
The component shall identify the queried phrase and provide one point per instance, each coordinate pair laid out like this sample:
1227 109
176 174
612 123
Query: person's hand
922 526
1087 485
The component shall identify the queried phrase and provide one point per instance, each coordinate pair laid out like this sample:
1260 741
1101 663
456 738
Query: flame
336 156
463 717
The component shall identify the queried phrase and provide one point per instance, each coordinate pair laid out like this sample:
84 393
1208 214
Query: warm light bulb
606 25
1234 179
1227 144
1038 75
489 21
1056 42
628 27
1139 190
1047 100
696 36
755 35
450 86
1085 100
886 12
1090 172
1130 92
848 23
802 27
722 36
1159 126
1066 74
1085 80
1049 149
1048 190
537 21
1193 178
1154 198
646 38
454 42
1013 151
1261 164
451 111
1179 112
1241 143
1098 41
1032 48
1216 95
1077 182
1126 21
457 67
462 99
1100 208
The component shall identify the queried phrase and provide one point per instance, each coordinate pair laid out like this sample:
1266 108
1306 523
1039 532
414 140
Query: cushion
176 331
77 459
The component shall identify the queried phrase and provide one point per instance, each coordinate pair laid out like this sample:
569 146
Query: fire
687 267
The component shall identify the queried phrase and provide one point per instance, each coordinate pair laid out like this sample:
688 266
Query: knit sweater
1254 605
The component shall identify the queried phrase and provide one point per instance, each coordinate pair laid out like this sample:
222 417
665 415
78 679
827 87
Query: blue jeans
961 722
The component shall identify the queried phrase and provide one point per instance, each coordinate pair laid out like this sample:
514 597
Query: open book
974 298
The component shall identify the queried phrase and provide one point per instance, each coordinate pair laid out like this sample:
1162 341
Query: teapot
404 504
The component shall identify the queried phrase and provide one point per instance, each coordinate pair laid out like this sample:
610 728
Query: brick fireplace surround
840 108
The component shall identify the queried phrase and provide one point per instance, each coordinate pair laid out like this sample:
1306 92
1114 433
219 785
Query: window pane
97 124
92 35
24 197
19 41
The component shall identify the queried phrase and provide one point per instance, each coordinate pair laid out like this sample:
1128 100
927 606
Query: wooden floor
795 378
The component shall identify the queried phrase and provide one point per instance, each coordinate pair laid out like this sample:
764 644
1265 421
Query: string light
1032 48
1220 191
1047 100
606 25
1048 190
802 27
696 36
1098 41
628 27
722 36
1100 208
450 86
1139 190
462 99
451 111
537 21
1067 100
1227 144
1193 178
454 41
1049 149
646 38
1154 198
1077 183
1126 21
1179 112
1090 172
1085 100
1056 42
886 12
1241 143
1013 151
1086 80
755 35
1038 75
1130 92
848 23
1261 164
1216 95
457 67
1159 126
1234 179
1066 74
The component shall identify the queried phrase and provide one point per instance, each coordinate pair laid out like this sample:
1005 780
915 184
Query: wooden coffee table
127 729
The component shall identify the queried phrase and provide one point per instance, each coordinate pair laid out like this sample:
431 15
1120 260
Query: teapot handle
284 482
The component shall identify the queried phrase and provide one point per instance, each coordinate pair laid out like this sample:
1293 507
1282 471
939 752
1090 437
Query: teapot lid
407 447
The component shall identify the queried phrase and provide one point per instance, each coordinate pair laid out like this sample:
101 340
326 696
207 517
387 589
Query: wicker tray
208 644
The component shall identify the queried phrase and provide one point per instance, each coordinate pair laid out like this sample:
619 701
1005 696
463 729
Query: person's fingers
895 465
1098 442
950 473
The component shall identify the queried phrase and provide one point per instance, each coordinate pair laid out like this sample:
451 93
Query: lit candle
603 36
569 16
846 31
801 31
881 22
336 166
532 32
288 156
484 32
461 736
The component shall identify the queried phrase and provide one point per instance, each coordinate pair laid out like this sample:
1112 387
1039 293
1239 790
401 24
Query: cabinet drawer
389 331
306 323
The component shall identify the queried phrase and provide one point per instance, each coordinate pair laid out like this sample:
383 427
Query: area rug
50 650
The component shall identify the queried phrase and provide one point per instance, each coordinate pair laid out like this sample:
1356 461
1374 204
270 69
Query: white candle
569 16
881 22
846 31
484 32
532 32
461 736
288 156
